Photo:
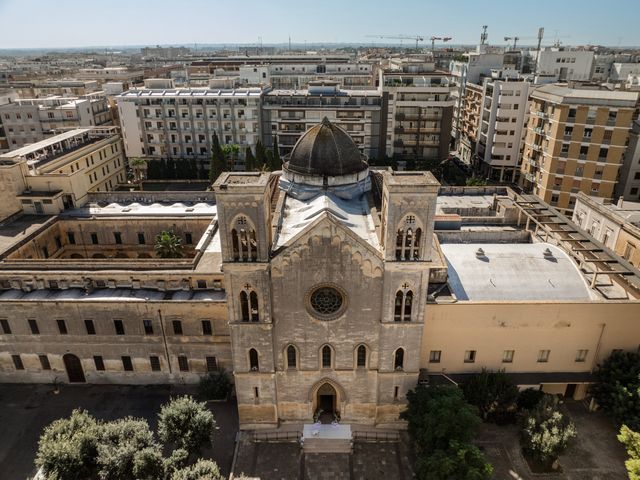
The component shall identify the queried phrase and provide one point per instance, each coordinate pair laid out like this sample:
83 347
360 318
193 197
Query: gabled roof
299 216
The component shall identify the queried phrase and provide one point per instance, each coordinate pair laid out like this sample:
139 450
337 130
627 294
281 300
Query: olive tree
186 423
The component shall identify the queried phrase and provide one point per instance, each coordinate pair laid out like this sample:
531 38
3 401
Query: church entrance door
327 398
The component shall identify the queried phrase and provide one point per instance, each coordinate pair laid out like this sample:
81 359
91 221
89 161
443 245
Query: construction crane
515 40
417 38
433 41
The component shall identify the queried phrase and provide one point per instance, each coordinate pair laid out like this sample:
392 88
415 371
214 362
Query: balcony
541 114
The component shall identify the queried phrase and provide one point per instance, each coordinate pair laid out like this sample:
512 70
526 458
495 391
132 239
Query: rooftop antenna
289 42
484 35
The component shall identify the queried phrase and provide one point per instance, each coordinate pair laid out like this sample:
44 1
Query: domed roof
325 150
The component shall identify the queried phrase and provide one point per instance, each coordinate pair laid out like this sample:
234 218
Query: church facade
327 290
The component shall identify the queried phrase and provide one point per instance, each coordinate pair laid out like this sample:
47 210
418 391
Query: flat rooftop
514 272
190 92
564 94
42 144
134 209
21 229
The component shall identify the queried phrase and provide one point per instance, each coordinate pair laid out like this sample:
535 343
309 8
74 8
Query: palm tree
168 245
137 164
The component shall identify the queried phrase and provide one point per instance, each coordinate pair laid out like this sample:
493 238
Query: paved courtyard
595 454
285 461
27 409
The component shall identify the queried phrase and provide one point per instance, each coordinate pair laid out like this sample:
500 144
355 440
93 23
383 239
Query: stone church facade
326 334
328 289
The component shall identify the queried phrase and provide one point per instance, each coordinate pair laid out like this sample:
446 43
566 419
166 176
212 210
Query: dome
325 150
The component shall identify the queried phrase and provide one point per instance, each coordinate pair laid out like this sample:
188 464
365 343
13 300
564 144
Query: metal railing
376 436
290 436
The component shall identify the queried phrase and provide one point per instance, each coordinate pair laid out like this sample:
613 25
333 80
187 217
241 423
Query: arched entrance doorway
327 398
74 368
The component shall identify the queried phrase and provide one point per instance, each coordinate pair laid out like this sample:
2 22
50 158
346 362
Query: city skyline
76 25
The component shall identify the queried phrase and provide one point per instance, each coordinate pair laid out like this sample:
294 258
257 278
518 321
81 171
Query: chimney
620 203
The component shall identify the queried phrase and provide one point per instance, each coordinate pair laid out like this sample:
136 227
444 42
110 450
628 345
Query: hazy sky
73 23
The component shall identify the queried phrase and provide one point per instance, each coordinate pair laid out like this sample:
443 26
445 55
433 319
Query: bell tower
408 210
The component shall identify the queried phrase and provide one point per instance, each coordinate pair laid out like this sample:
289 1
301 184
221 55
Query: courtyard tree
218 161
68 447
168 245
201 470
617 388
276 160
461 461
186 423
442 424
631 441
215 386
262 159
230 153
493 393
546 432
138 165
127 446
249 160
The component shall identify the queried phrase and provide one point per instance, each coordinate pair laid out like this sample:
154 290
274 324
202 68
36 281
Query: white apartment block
419 112
502 125
565 65
180 123
287 114
477 66
620 72
30 120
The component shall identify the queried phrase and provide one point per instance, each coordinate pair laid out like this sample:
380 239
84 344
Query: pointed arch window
361 356
253 300
243 241
254 364
398 359
244 306
326 356
403 305
397 313
292 357
408 240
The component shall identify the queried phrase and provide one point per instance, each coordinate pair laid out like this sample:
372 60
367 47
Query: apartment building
575 142
476 66
287 114
419 111
63 88
111 74
616 225
33 119
502 120
564 64
628 185
56 174
471 108
180 123
289 71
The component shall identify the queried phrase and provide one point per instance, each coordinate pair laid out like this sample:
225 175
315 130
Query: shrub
187 423
494 394
68 447
631 441
442 425
546 431
617 388
123 444
201 470
215 386
529 398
